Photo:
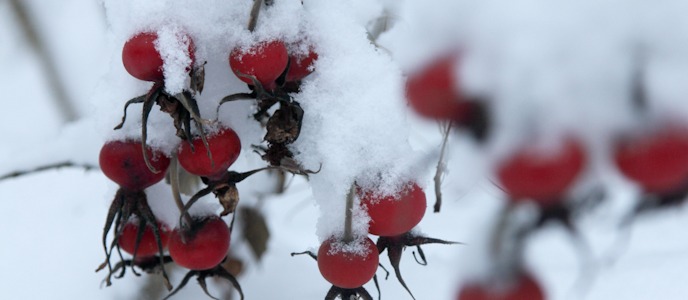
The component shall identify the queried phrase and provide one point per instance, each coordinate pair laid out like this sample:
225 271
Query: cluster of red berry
198 243
348 261
654 158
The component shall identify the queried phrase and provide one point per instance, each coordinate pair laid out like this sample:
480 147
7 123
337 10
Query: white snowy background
561 63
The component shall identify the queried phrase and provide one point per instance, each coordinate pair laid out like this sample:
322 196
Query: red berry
142 60
525 288
265 61
531 174
432 92
347 268
148 246
300 66
224 146
658 162
122 162
394 214
201 248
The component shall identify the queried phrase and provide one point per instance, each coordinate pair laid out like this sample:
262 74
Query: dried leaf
229 198
255 230
198 78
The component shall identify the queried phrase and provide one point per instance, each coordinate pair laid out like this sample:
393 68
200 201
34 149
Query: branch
66 164
255 10
67 110
441 167
348 215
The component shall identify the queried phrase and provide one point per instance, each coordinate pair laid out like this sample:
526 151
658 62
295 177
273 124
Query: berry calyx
657 161
542 176
224 147
348 265
392 215
148 246
123 163
301 66
432 92
265 61
202 246
143 61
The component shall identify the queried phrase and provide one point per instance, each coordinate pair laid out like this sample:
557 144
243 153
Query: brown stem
441 166
66 164
255 11
348 215
174 182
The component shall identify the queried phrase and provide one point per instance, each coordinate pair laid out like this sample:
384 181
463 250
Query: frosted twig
441 167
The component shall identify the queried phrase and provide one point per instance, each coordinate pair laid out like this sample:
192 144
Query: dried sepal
224 189
395 247
201 276
128 204
198 77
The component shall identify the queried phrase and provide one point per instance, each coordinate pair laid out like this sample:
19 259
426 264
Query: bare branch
255 11
66 164
66 108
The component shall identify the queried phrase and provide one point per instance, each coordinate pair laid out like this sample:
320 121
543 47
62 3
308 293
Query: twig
441 167
67 164
66 108
348 216
255 11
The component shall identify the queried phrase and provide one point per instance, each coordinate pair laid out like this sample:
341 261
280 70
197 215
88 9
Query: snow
548 66
173 46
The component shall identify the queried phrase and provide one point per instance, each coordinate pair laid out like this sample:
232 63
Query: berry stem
507 244
174 182
638 88
255 11
348 215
